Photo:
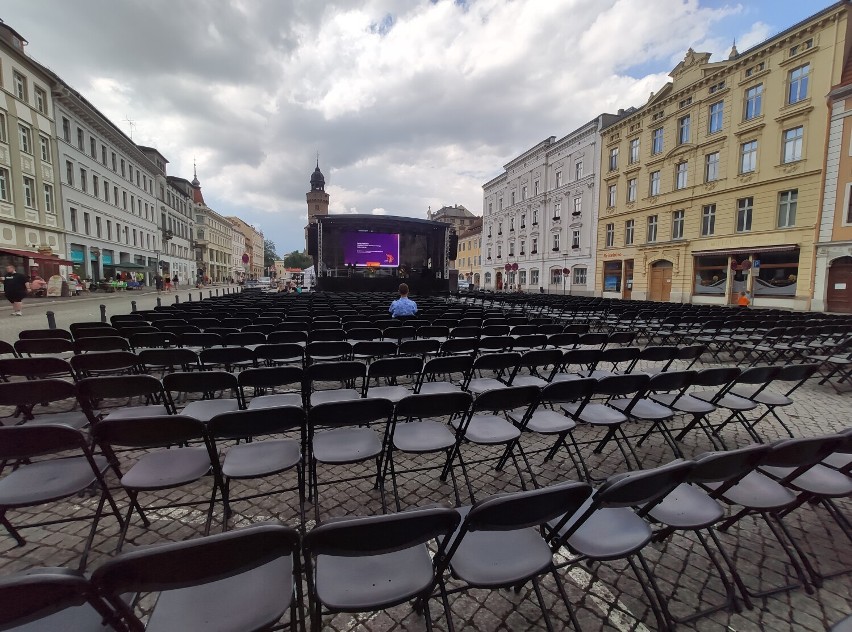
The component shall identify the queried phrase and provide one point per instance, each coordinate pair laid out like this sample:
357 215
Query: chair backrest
330 371
670 381
199 381
728 465
715 376
801 452
377 535
459 345
796 372
758 374
541 358
328 348
626 384
617 355
245 338
147 432
519 510
102 343
419 347
104 361
199 339
256 422
31 440
171 357
92 389
34 368
152 339
31 392
497 361
395 367
661 353
374 348
270 377
507 398
35 334
43 346
352 412
432 405
568 391
280 337
226 355
94 332
642 487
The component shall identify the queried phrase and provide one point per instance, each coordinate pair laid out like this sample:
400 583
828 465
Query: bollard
201 296
133 307
217 291
159 302
189 297
210 293
51 320
177 299
103 313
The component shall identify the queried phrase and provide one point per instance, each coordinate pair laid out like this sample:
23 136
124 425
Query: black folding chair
25 397
219 393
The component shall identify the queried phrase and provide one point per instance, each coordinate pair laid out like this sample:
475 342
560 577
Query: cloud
410 103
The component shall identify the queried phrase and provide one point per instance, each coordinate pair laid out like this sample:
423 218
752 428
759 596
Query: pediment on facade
681 150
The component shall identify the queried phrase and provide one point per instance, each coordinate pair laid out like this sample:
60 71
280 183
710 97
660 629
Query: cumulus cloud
410 103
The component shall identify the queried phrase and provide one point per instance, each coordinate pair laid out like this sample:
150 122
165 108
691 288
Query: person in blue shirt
403 306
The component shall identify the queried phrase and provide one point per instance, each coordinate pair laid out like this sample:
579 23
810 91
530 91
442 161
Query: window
578 206
578 169
708 220
122 168
711 275
500 205
29 193
93 148
629 232
652 229
777 274
556 276
500 228
610 235
534 245
48 199
685 102
115 195
524 192
74 220
487 278
753 102
80 139
555 241
535 217
681 175
499 251
711 167
511 223
20 84
575 239
612 276
523 247
86 224
793 144
744 211
513 197
579 276
66 129
4 185
631 190
106 190
716 87
755 69
797 88
489 253
511 248
558 179
2 127
683 130
717 114
557 210
748 156
657 141
98 227
611 195
613 159
96 190
113 161
523 220
109 229
802 47
677 224
654 183
634 151
44 143
26 135
787 202
69 172
535 187
41 100
533 277
103 155
84 181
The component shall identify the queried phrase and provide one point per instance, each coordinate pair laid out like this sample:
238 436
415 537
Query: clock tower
317 197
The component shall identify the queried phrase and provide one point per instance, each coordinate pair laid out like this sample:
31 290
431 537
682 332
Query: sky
409 103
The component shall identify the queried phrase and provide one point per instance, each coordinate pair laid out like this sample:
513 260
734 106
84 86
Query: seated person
403 306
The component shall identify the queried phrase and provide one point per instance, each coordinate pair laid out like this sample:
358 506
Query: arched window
487 278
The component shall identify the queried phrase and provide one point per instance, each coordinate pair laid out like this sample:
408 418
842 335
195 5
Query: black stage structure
421 260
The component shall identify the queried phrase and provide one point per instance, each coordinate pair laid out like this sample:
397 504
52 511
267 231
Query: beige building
213 240
469 258
254 247
712 187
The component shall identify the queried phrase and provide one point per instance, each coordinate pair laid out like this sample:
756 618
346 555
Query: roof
453 211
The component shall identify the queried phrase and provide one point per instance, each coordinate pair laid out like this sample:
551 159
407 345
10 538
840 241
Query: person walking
158 282
15 286
175 282
168 282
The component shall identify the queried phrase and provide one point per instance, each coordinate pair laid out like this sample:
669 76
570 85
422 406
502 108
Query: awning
36 255
128 265
744 251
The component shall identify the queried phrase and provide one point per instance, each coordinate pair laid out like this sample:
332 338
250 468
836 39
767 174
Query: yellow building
469 259
712 187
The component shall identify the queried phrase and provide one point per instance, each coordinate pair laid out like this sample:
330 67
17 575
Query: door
628 279
839 293
660 284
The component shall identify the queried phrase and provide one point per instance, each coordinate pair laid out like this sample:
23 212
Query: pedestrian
743 300
175 282
15 286
158 282
403 306
168 282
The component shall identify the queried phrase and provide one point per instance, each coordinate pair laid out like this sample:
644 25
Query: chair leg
92 531
542 605
12 530
662 621
561 587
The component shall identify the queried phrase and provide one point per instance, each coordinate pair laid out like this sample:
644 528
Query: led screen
371 250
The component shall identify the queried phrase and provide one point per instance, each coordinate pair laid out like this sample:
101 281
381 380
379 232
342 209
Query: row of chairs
369 564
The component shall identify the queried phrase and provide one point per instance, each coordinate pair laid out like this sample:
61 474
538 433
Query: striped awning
744 251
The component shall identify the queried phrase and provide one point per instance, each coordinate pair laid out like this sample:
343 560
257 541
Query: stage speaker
454 246
454 280
313 242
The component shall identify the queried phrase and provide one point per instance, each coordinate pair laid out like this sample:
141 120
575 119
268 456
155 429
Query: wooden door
839 293
628 279
660 282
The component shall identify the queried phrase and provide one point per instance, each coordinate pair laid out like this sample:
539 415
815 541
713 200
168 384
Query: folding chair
541 365
370 564
60 347
35 368
219 393
347 373
101 343
230 359
235 581
279 354
104 363
168 360
26 396
504 366
327 351
391 369
264 379
444 366
36 481
699 408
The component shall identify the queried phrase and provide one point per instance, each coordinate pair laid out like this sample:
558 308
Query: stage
375 253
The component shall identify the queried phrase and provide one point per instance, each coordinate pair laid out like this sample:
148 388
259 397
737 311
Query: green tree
269 254
298 259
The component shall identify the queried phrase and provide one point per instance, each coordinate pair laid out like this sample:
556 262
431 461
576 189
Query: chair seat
222 605
687 507
379 581
80 619
500 558
45 481
731 402
423 436
133 412
596 414
644 408
488 429
74 418
334 395
482 384
167 468
684 404
276 401
757 491
838 460
545 421
529 380
819 480
393 393
432 388
566 377
261 458
206 409
609 533
346 445
765 397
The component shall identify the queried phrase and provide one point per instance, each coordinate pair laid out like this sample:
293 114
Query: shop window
711 275
776 273
612 276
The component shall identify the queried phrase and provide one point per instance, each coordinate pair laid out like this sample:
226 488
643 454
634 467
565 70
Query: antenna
131 124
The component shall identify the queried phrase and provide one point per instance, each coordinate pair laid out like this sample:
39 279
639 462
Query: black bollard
189 297
177 299
51 320
217 291
133 307
103 313
159 302
201 296
210 293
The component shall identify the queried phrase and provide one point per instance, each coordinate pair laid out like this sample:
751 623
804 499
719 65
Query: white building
540 216
238 250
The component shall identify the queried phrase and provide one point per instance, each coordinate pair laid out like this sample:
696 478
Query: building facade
238 251
539 216
469 258
213 240
253 239
32 226
712 187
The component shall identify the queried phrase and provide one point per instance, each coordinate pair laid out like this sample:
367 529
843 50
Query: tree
298 259
269 254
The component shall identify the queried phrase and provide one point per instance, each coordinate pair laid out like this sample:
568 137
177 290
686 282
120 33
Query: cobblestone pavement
605 597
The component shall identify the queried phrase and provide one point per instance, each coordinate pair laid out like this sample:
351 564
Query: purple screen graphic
371 249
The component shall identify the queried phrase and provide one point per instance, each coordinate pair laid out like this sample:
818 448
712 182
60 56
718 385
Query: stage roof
364 217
